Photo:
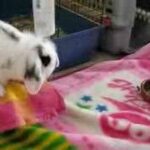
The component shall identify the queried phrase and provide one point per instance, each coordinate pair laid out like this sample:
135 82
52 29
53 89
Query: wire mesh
91 10
140 31
83 14
143 10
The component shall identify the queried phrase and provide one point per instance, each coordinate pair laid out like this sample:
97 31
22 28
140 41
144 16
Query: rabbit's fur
25 57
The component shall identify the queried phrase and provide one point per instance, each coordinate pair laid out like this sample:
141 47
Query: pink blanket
104 108
18 108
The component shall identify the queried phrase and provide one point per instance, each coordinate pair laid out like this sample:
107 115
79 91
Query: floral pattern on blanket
104 107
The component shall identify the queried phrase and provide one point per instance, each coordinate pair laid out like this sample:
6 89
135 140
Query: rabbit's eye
45 59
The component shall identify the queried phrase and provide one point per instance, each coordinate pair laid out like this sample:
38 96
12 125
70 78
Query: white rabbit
25 57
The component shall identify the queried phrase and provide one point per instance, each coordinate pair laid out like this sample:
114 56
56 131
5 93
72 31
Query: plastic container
77 48
81 39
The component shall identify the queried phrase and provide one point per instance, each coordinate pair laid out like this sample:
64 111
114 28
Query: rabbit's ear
10 31
33 78
33 86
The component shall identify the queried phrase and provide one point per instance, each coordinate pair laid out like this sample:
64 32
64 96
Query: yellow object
15 91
